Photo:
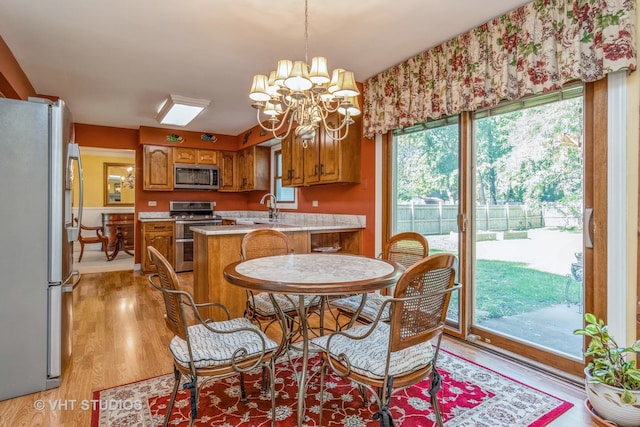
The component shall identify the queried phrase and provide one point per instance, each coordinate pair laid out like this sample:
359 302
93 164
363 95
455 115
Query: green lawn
508 288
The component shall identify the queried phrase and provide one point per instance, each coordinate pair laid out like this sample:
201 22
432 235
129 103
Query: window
286 197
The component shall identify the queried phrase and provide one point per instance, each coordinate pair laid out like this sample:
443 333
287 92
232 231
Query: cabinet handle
315 170
321 168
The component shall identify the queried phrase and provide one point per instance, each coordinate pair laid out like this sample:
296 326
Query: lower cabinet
158 234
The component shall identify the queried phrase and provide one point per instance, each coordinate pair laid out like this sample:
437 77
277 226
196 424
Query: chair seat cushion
264 307
371 307
368 356
212 349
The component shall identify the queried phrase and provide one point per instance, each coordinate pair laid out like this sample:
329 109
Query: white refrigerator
38 164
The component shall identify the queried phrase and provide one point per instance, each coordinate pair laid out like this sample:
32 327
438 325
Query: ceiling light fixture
130 179
180 111
293 93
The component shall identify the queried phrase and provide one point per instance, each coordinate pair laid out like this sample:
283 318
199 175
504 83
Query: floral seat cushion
371 308
213 349
264 306
368 356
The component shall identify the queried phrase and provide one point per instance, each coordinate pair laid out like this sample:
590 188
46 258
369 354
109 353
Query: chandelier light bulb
282 72
346 85
259 88
351 106
319 72
298 79
335 78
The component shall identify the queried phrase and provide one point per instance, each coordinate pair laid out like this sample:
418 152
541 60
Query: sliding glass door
505 189
528 264
426 189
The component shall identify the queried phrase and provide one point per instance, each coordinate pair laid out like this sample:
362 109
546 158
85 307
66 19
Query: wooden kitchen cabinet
194 156
327 160
184 155
158 234
253 169
292 161
228 165
349 241
206 157
158 168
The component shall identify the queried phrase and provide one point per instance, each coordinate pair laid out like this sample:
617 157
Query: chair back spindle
421 319
174 316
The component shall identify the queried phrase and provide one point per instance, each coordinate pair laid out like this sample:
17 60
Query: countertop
287 221
212 230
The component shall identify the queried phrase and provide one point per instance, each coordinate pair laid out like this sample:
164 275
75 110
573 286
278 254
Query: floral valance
533 49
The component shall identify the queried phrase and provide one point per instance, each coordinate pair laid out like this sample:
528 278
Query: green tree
427 163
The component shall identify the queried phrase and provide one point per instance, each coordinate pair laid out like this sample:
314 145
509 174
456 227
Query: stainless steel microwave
195 177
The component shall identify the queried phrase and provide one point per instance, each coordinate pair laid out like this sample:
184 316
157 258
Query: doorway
104 193
527 285
505 189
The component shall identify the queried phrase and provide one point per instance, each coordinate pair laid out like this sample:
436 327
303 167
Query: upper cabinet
292 161
206 157
195 156
158 168
228 166
245 170
253 169
325 160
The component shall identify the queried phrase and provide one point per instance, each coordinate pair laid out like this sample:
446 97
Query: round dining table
320 274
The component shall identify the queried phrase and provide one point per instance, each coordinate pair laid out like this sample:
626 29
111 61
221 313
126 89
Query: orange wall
13 82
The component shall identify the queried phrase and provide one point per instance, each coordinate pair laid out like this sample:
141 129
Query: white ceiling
115 61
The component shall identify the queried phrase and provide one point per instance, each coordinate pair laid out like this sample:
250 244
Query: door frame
595 259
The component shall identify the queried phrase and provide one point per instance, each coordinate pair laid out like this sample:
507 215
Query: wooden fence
436 219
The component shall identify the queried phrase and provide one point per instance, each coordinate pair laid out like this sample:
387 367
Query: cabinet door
207 157
246 166
292 162
228 163
329 153
160 236
158 168
311 161
184 155
340 161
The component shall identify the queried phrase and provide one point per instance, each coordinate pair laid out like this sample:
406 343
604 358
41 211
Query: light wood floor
120 337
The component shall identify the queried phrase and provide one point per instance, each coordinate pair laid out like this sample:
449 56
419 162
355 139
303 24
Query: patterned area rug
471 395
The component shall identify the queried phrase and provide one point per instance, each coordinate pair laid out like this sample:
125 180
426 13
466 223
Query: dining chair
265 242
208 349
90 239
384 357
406 249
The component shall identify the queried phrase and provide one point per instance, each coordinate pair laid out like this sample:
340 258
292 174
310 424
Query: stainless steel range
188 215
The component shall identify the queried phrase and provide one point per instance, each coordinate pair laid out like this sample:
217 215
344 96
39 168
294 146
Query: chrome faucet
273 207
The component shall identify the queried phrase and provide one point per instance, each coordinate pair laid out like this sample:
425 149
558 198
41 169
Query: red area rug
471 395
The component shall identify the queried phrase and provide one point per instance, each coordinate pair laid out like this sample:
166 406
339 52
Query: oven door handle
184 240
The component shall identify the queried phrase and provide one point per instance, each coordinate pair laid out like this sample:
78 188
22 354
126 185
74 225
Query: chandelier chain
306 31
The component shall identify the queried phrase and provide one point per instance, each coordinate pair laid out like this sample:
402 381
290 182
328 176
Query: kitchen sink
260 221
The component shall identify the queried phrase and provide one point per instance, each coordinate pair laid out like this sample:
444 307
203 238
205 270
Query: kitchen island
216 247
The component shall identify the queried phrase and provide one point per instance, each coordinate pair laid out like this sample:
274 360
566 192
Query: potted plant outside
612 382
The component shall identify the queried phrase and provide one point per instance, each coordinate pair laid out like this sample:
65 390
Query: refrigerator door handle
74 154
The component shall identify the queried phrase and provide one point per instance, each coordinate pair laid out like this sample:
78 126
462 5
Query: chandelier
294 94
129 180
